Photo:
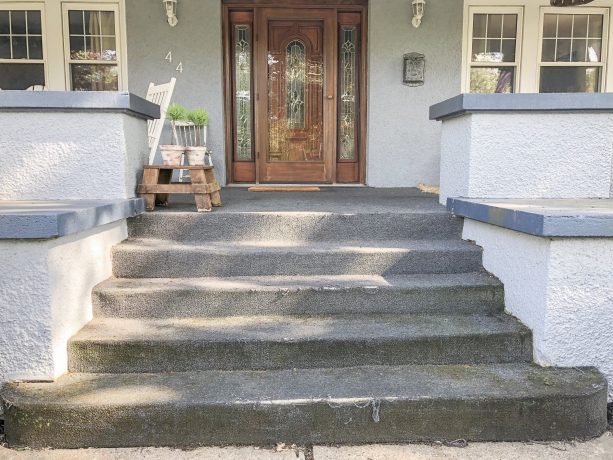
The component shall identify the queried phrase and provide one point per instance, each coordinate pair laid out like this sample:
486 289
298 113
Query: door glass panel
295 92
242 83
348 93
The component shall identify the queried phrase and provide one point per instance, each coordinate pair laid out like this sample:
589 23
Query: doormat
264 188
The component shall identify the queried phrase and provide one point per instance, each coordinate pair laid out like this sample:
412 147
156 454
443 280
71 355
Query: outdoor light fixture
419 7
170 7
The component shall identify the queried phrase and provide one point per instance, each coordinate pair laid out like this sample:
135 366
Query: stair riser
303 227
153 357
309 422
158 263
210 303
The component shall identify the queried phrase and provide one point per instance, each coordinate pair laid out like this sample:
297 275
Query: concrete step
169 259
461 293
412 223
113 345
379 404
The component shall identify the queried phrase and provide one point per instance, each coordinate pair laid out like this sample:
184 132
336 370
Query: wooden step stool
157 186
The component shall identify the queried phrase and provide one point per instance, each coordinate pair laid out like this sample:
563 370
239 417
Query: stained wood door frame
261 10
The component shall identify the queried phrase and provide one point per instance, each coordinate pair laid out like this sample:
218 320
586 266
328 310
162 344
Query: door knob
330 96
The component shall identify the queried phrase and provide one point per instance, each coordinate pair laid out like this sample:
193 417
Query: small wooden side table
157 186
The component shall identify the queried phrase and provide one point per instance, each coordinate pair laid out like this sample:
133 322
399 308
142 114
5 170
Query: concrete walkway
601 449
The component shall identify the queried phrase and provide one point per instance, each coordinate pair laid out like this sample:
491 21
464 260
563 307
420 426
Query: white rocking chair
160 95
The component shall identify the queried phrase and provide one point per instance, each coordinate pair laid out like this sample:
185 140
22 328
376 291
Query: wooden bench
157 185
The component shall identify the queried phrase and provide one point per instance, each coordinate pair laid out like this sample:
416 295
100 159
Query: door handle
330 97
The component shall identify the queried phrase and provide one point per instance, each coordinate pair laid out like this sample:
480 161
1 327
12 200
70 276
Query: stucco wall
197 43
403 145
561 288
527 155
71 155
46 290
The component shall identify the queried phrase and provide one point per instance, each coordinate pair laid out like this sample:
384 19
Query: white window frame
68 6
604 46
469 64
529 80
29 6
54 53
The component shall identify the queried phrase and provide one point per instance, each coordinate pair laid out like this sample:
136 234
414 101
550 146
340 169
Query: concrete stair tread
287 329
289 283
349 405
307 247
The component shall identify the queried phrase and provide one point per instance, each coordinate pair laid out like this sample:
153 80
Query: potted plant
171 154
196 153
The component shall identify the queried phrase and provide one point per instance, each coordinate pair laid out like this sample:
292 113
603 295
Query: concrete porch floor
598 449
347 200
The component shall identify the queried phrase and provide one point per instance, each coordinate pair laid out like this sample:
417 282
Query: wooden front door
295 85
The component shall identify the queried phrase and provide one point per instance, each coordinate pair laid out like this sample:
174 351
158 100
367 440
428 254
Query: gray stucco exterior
402 145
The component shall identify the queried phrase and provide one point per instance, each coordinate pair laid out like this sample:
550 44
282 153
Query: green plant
199 117
176 112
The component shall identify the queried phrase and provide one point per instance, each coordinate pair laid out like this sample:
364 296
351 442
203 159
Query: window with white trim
91 48
22 63
572 51
494 50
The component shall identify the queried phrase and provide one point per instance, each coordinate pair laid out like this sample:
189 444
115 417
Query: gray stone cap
26 220
539 217
78 101
552 102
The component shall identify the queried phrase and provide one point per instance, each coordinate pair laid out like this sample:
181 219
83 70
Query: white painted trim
531 34
54 53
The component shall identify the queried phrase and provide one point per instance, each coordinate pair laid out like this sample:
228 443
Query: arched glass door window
296 84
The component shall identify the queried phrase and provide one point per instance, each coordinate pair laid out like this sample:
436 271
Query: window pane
563 52
93 47
348 75
508 50
565 25
242 81
549 50
35 47
594 51
5 47
550 25
580 27
34 25
107 23
510 26
21 76
4 23
18 22
579 50
94 77
77 48
479 50
109 49
493 51
570 79
595 26
20 49
75 22
494 25
492 79
479 25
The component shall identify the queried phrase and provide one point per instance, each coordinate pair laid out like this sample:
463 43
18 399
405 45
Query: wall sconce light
419 7
170 7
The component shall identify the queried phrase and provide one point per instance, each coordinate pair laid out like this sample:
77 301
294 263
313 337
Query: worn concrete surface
597 449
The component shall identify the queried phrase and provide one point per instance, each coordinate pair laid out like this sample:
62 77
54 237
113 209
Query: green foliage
198 117
176 112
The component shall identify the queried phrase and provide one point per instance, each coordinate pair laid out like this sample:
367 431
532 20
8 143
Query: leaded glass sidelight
348 94
296 81
243 103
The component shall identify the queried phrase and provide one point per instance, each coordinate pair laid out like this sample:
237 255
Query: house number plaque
414 69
